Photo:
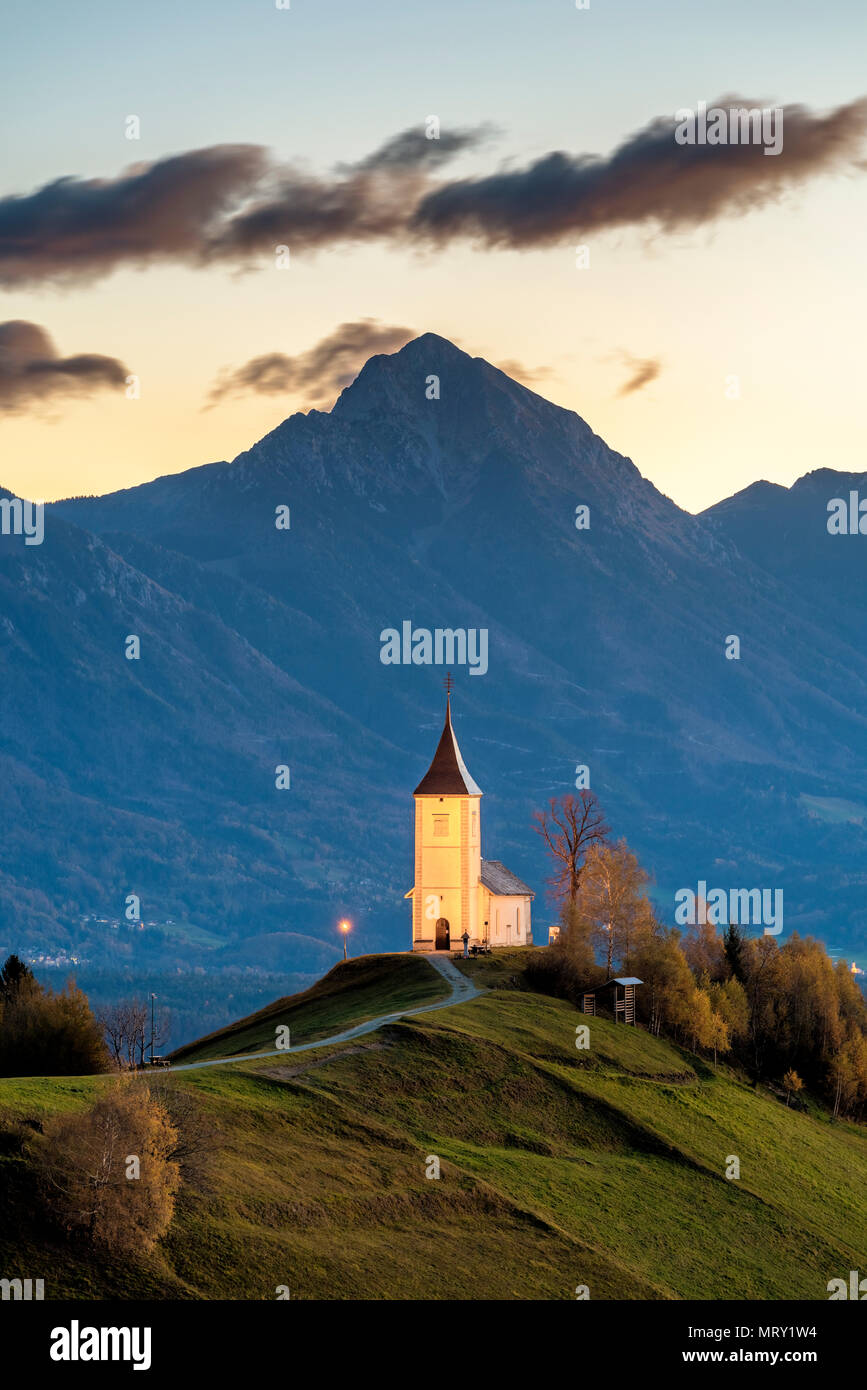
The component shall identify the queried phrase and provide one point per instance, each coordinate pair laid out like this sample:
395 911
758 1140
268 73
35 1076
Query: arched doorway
443 935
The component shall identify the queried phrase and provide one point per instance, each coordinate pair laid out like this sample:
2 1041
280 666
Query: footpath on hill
462 990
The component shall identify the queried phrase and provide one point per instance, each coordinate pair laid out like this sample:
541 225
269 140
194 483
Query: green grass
351 993
501 969
559 1167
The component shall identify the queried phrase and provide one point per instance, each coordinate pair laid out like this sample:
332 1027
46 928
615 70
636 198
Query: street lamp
153 997
344 927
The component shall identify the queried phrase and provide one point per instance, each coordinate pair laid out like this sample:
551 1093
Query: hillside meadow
559 1167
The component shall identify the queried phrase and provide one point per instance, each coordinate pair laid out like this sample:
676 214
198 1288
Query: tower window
441 825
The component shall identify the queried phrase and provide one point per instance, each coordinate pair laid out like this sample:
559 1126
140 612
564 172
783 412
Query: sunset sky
698 272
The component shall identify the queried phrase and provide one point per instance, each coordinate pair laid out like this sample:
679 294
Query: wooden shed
616 996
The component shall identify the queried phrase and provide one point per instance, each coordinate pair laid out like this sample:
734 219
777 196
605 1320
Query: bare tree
127 1030
113 1022
569 827
161 1030
198 1138
140 1028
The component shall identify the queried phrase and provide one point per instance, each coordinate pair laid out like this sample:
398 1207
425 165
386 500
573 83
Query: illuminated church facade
455 889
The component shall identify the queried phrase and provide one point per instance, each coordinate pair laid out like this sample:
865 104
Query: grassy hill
559 1167
351 993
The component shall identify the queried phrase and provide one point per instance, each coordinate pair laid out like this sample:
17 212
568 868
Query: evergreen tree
13 976
733 945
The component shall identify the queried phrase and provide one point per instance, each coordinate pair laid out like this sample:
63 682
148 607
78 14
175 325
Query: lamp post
344 927
153 997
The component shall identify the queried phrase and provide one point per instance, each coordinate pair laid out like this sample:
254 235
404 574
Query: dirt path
462 989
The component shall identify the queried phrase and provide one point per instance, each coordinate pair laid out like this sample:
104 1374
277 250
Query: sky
713 337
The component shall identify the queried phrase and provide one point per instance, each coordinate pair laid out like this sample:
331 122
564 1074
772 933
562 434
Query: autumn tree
703 947
107 1174
668 982
760 957
705 1028
48 1033
569 828
787 1008
792 1085
850 998
575 942
847 1075
719 1037
611 902
809 1023
729 999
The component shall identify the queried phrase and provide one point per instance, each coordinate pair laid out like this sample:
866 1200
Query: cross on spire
448 683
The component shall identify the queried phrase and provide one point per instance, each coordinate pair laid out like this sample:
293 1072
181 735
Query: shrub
108 1173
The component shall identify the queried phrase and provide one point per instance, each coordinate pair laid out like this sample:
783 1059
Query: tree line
784 1012
46 1032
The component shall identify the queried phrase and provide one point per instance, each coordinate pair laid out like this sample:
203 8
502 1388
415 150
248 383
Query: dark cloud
649 179
81 228
642 372
367 201
413 148
232 202
319 374
32 371
225 203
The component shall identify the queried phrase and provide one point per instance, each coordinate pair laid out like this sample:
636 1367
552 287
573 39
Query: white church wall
509 920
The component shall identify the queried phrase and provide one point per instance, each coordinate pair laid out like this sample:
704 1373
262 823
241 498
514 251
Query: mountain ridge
607 648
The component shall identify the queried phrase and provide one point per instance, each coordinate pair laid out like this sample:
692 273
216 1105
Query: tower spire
447 774
449 685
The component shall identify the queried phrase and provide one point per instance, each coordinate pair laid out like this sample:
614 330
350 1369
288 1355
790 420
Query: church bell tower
445 897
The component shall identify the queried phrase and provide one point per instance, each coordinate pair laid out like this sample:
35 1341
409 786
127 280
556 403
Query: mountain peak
426 342
386 378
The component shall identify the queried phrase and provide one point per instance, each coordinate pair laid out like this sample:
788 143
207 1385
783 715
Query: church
456 890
